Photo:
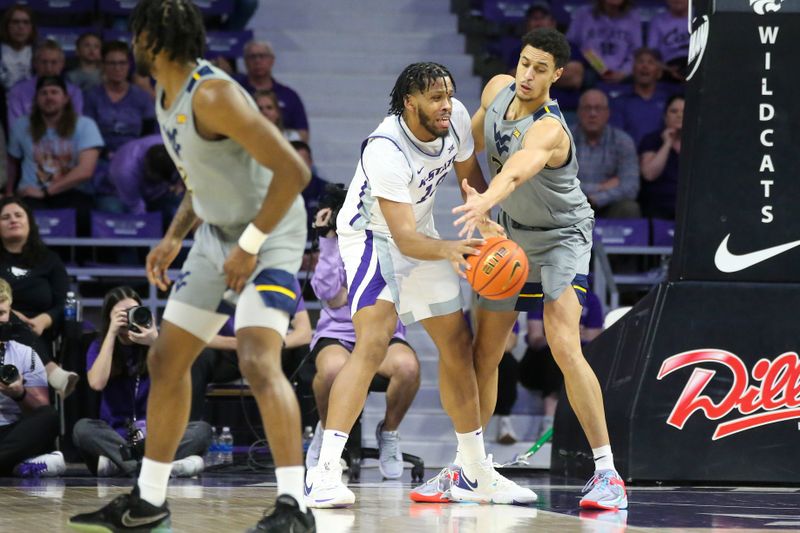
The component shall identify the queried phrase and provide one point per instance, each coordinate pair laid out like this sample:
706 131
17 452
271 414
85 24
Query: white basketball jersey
395 166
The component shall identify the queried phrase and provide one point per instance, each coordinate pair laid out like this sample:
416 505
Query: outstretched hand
473 211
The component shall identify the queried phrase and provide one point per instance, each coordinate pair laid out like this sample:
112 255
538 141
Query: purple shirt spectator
669 35
658 197
637 116
125 396
613 40
126 176
120 121
52 153
328 281
293 111
20 99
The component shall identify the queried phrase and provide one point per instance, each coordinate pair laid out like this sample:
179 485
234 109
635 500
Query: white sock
153 481
470 445
603 458
332 446
290 481
458 460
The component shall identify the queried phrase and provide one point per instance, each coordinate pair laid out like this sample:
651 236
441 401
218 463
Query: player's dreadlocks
417 77
175 26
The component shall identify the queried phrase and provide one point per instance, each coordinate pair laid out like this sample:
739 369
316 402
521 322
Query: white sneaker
187 467
46 465
480 482
324 488
106 467
505 431
314 447
390 460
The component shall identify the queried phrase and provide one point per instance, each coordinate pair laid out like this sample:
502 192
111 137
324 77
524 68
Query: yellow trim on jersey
546 109
195 75
578 287
536 295
276 288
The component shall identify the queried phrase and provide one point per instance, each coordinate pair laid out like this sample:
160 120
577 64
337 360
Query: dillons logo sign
768 394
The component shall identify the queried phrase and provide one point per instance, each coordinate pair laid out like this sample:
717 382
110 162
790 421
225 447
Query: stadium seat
622 231
55 222
227 43
67 37
109 226
663 232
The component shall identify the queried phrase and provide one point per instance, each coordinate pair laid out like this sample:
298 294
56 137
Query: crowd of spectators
625 67
80 132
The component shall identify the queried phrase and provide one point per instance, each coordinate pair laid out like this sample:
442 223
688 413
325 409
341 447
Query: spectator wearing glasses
17 37
48 61
259 59
608 167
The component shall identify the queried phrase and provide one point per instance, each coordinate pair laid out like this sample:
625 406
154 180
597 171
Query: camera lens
8 374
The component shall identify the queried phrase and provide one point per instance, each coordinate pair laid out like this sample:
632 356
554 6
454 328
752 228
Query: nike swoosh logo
517 266
129 521
308 488
421 169
340 435
729 263
471 484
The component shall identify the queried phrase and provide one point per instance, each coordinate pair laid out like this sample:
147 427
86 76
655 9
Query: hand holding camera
322 221
11 382
141 328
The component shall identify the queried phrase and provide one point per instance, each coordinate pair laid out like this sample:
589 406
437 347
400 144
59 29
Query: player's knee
406 371
371 348
567 356
328 370
258 368
161 366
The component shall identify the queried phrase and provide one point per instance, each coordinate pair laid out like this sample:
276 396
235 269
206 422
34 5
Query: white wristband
251 239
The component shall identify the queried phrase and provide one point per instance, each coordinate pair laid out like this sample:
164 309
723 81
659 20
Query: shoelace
602 479
391 446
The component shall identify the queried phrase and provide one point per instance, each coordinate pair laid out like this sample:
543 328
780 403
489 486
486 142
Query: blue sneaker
605 490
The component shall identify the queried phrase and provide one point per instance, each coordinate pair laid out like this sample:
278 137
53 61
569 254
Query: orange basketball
500 270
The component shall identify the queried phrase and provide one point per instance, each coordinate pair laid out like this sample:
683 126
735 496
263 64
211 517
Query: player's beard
428 123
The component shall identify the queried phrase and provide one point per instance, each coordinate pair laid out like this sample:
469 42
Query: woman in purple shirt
607 34
116 365
333 342
123 112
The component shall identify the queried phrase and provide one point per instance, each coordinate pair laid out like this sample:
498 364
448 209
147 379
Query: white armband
251 239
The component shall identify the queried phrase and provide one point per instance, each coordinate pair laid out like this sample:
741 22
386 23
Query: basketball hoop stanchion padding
701 379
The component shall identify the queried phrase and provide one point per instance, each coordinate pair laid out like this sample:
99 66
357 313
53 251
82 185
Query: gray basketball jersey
553 197
228 186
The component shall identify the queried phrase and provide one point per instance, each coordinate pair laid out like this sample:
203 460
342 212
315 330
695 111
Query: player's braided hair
415 77
551 41
175 26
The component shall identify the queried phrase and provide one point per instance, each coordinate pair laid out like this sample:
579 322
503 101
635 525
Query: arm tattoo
184 218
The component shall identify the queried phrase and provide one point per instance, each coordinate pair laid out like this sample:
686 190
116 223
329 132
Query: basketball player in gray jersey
531 155
243 182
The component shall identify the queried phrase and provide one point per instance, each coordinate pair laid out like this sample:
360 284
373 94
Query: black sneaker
286 517
125 513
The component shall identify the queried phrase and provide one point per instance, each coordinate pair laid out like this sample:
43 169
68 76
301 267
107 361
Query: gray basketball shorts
199 302
558 258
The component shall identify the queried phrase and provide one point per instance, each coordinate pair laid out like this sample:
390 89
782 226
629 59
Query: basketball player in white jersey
243 182
396 265
532 159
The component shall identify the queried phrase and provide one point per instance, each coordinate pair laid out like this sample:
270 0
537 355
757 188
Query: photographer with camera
335 338
117 367
28 425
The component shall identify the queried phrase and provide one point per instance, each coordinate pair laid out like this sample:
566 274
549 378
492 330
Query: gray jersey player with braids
243 182
531 155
